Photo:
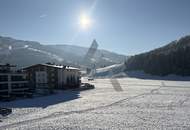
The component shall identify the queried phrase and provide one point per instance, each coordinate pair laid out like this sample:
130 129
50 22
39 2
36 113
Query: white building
53 76
69 76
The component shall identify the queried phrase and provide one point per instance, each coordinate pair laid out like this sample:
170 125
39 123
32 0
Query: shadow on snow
43 102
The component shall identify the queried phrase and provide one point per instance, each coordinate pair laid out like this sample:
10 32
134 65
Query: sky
124 26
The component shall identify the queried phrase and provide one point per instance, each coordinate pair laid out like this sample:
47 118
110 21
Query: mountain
173 58
24 53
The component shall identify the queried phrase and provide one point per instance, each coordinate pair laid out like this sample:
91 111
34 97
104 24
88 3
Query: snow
109 67
143 104
47 53
4 52
10 48
110 71
107 59
118 71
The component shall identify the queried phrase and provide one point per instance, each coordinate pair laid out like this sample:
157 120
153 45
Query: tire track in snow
61 113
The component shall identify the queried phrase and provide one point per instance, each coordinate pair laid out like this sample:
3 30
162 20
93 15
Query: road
125 103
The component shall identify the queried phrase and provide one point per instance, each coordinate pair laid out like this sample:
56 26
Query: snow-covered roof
71 68
55 66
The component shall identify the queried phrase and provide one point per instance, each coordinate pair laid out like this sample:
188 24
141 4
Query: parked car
5 111
86 86
90 79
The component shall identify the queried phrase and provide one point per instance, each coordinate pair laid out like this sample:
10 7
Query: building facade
12 82
50 76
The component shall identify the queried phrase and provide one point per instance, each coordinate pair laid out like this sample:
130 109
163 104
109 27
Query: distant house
12 82
53 76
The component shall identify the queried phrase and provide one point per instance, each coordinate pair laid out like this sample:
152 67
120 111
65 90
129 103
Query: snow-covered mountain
24 53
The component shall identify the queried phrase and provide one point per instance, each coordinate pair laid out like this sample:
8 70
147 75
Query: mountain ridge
24 53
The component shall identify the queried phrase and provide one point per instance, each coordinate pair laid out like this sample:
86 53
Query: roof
7 65
54 66
71 68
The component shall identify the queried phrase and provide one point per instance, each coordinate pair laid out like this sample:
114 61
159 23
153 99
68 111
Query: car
90 79
5 111
86 86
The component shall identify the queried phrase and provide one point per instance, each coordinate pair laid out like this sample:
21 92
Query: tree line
173 58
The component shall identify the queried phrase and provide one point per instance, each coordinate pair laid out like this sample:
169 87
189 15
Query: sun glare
85 21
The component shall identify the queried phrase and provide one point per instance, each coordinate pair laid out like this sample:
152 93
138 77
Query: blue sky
123 26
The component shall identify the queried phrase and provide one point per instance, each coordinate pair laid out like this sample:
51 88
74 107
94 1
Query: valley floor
125 103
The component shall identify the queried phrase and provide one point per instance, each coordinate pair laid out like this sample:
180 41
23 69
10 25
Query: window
17 78
3 86
3 78
41 77
42 68
18 85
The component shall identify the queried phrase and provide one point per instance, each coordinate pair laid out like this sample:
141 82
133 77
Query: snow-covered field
138 104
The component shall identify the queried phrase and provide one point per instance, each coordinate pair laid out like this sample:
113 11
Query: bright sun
85 21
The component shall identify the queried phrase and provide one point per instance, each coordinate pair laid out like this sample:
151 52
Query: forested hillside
173 58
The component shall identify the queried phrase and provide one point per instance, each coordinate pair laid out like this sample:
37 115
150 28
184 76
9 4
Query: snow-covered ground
139 104
119 70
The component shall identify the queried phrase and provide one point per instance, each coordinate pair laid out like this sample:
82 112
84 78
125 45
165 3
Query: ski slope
125 103
115 70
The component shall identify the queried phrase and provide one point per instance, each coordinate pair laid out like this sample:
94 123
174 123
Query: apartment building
12 82
42 76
